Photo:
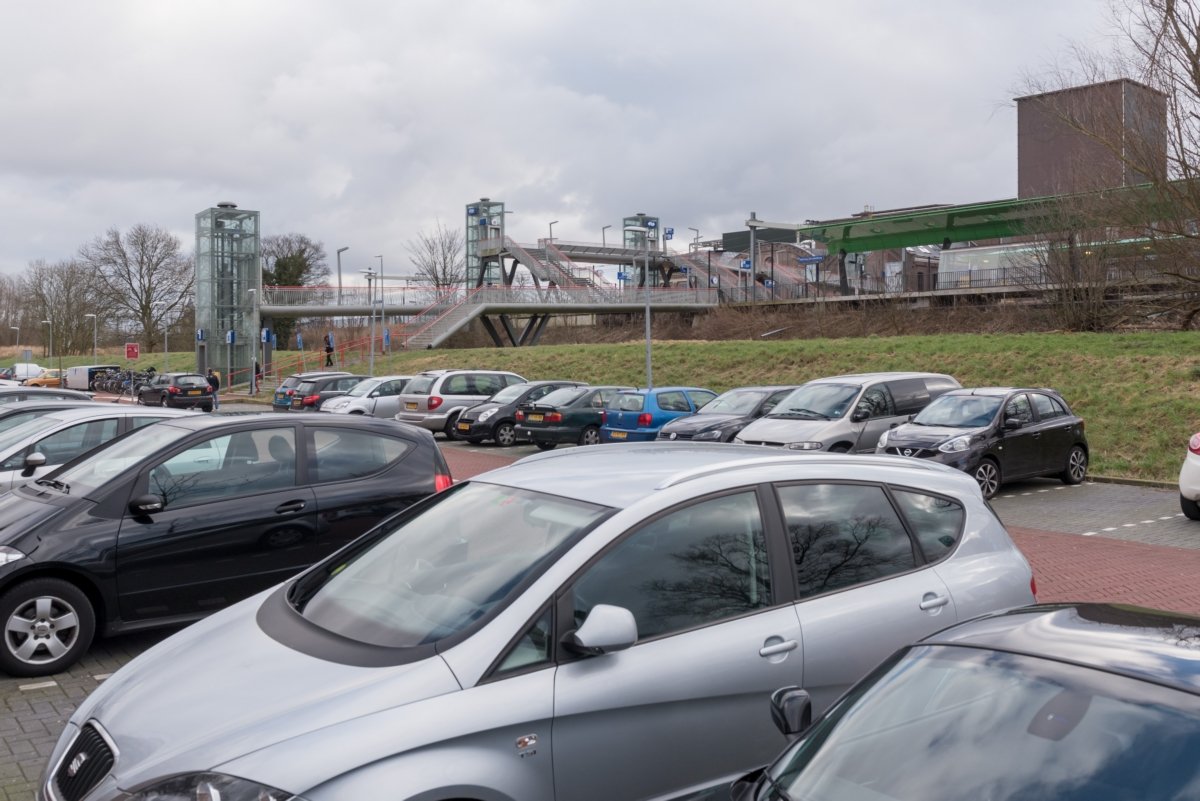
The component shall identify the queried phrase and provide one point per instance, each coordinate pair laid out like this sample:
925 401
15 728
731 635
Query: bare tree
143 277
292 260
61 293
439 257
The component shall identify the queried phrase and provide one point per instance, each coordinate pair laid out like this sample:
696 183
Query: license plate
536 418
617 434
464 426
297 403
412 407
193 392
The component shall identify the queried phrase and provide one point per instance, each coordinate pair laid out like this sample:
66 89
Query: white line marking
39 686
1146 522
1089 533
1129 525
1110 528
102 676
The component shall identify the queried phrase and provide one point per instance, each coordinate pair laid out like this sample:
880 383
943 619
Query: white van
22 371
81 377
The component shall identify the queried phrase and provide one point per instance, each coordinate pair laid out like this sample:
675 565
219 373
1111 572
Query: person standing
214 381
328 351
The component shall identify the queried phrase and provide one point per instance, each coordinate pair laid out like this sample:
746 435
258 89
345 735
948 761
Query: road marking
102 676
1147 522
1110 528
39 686
1089 534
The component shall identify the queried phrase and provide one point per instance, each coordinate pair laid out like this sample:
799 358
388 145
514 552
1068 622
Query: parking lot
1096 541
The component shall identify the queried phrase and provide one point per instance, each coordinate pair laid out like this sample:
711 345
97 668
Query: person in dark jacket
214 381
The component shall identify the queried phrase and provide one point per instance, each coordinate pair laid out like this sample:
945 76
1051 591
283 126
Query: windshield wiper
776 787
799 413
54 483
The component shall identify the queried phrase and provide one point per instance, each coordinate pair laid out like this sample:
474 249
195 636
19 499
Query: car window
601 398
699 397
236 464
305 388
290 382
534 647
389 388
420 385
627 402
691 567
877 401
564 395
909 395
512 379
344 384
1018 408
142 420
457 385
510 394
1047 408
489 384
936 521
673 402
191 381
341 454
842 535
20 418
63 446
540 392
770 403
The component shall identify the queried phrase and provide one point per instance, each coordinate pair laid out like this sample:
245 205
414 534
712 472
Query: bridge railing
408 295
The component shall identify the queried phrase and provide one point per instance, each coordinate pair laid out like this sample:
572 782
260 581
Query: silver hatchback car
596 623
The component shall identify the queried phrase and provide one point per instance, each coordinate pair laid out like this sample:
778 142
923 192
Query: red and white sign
133 351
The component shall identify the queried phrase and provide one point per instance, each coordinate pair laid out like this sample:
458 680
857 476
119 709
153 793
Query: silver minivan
587 624
845 413
435 398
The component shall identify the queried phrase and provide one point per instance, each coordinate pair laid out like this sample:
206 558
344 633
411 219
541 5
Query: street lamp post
17 344
253 293
93 335
340 251
695 239
370 274
644 231
603 240
382 295
50 325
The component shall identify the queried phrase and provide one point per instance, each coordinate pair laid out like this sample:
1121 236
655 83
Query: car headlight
804 446
210 787
8 555
489 413
883 438
956 445
712 434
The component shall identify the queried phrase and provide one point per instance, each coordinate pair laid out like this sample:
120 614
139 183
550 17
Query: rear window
562 396
420 385
191 381
290 382
306 387
627 402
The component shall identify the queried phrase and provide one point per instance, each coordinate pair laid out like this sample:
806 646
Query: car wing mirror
607 629
35 460
791 711
743 788
1012 423
859 415
147 504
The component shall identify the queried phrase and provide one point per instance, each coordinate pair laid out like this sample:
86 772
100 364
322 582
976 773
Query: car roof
46 392
198 421
105 410
319 374
866 378
1148 644
999 391
620 474
641 391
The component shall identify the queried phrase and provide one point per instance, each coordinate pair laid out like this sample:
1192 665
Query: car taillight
1194 444
434 402
553 417
603 416
173 390
644 420
310 400
291 392
442 481
520 415
1033 586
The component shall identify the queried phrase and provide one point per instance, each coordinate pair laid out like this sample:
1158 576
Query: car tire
504 434
589 436
448 429
841 447
141 400
987 476
546 446
207 408
1077 464
29 613
162 400
1190 509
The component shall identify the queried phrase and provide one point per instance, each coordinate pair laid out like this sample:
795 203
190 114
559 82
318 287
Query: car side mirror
147 504
791 711
1012 423
607 629
743 788
35 460
859 415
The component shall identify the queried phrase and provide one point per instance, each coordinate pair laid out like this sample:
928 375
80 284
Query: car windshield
22 432
98 467
817 401
509 393
947 723
364 388
735 401
11 421
960 411
442 568
561 396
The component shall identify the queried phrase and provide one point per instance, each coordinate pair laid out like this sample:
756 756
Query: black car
281 399
724 416
178 519
571 415
496 417
1082 702
997 434
177 390
312 392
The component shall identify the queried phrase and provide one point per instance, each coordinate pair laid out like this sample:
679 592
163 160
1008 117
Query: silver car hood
221 689
784 429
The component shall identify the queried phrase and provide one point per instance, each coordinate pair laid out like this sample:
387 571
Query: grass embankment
1136 392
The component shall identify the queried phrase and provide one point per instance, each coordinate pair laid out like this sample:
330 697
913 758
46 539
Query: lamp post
551 237
93 335
370 274
603 240
382 298
340 251
50 352
253 293
695 239
644 231
17 344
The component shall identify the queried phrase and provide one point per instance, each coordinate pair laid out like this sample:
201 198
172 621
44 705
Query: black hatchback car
997 434
178 519
496 417
177 390
724 416
312 392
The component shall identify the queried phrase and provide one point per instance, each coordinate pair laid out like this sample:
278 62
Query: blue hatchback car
637 415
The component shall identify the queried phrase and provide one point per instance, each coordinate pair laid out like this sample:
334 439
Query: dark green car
570 414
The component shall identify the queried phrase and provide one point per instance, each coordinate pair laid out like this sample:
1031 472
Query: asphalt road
1097 541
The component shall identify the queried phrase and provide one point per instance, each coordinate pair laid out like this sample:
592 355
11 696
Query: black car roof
1148 644
198 422
1000 391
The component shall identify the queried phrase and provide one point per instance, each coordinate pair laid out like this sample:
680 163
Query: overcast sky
361 123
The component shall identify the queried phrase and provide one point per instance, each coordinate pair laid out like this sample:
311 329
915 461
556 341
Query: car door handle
932 601
778 648
289 506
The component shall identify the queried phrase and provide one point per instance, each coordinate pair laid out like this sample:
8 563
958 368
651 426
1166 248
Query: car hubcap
41 630
985 474
1078 466
591 437
505 435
